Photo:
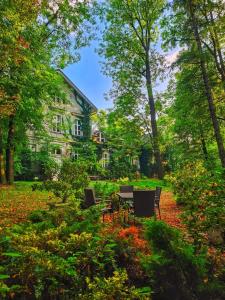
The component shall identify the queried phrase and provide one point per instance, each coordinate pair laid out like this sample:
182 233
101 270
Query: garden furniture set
140 203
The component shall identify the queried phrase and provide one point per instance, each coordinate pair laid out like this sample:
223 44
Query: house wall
70 112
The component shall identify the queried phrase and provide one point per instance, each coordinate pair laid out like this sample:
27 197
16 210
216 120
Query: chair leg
159 212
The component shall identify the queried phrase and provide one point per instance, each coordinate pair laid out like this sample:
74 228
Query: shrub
60 189
121 167
54 260
73 178
38 216
105 189
75 174
202 194
175 270
114 287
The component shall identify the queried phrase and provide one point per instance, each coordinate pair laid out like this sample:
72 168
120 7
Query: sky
87 76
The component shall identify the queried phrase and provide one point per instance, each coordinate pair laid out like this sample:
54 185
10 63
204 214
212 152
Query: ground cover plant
16 203
68 252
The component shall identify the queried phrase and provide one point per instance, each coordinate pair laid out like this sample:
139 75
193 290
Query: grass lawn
18 201
107 187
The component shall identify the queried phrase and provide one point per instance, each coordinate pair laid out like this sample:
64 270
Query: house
67 122
69 130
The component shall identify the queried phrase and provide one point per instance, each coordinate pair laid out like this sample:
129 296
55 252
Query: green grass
18 201
150 183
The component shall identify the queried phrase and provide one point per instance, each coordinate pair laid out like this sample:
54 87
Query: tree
36 39
185 25
123 136
131 59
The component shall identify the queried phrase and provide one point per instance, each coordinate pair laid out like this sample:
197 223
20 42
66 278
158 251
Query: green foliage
105 189
175 270
88 153
38 165
72 179
202 193
114 287
120 167
59 255
37 216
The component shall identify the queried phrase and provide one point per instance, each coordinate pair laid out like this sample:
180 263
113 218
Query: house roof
94 108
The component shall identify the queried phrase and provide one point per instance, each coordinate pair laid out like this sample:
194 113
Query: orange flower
127 232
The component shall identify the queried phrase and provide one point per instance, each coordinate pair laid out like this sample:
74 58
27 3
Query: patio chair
144 202
157 199
126 189
89 198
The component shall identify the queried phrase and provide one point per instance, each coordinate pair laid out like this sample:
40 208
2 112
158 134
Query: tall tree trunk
10 151
2 164
151 102
218 47
208 91
216 51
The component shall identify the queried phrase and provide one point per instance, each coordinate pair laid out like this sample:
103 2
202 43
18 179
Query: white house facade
64 122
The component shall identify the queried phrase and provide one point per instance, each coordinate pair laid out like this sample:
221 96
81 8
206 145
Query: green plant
202 194
105 189
113 287
175 270
75 174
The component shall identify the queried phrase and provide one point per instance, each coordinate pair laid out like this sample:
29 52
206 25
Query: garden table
126 200
126 196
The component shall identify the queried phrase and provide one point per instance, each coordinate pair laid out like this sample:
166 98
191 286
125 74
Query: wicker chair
144 203
89 198
157 199
126 189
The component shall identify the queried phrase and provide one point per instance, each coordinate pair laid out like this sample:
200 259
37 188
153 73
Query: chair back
157 194
89 197
126 189
144 203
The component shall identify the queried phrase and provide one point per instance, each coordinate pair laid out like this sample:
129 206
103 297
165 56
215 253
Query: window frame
77 126
57 126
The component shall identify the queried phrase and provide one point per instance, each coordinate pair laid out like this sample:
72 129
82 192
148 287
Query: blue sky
87 76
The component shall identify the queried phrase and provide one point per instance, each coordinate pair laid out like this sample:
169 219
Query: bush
175 270
114 287
105 189
54 260
120 168
202 194
38 216
75 174
73 178
60 189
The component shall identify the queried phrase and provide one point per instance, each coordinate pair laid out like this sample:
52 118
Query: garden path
170 211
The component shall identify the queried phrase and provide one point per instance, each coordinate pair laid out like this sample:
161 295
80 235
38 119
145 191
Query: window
77 128
57 151
33 148
57 124
101 138
105 159
58 101
75 155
